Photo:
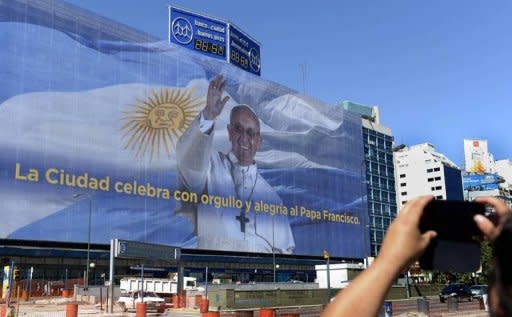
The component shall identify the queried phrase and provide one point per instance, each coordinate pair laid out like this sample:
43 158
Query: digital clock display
208 47
239 59
244 52
214 38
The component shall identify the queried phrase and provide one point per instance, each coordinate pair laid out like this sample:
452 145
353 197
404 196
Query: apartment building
378 168
421 170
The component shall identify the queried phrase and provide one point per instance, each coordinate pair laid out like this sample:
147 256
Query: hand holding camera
459 226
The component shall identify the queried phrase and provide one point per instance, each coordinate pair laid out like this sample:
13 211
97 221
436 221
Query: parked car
457 290
478 291
129 301
296 281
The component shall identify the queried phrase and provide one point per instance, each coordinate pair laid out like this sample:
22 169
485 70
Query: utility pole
273 250
327 258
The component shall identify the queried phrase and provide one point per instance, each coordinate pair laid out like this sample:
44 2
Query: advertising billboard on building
110 133
481 182
477 157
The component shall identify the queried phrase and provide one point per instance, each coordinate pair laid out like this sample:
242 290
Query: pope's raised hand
214 101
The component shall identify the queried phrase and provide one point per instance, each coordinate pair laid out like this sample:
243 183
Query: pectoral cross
243 220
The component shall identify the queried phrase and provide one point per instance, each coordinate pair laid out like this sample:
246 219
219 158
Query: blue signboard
479 182
197 32
210 36
244 52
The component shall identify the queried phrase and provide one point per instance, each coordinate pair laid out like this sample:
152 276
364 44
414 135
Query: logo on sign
254 60
182 30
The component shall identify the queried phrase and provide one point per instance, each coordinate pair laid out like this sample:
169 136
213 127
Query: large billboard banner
153 143
477 157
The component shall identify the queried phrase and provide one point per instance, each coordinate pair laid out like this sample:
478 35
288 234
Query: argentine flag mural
89 124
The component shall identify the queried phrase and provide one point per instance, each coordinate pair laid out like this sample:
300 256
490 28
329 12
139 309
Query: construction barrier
72 310
161 308
197 300
182 299
24 295
140 310
267 312
175 301
204 305
211 314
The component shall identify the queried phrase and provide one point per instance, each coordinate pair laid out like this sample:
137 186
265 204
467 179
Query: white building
421 170
479 161
504 169
477 157
340 275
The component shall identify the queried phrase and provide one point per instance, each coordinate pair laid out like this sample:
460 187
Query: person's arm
402 245
194 147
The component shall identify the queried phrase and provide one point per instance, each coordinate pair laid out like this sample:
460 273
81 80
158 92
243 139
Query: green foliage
486 261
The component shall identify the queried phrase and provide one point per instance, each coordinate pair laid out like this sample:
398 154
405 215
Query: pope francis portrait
204 170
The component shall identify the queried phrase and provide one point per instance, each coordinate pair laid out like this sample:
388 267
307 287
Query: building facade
101 71
484 176
494 178
504 169
379 171
421 170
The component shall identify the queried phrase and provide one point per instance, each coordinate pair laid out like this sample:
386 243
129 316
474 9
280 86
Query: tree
486 262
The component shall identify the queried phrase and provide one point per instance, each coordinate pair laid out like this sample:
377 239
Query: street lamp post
328 271
407 284
92 265
86 277
273 250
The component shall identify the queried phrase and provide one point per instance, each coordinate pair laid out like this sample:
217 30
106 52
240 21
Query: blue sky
440 71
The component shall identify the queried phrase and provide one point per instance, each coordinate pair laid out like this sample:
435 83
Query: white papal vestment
203 170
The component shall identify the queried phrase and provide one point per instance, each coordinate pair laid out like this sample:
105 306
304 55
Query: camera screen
456 247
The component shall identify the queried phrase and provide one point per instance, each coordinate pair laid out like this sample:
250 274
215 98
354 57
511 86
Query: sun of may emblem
155 123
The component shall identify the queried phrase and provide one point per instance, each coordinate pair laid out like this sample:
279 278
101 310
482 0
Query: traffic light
16 274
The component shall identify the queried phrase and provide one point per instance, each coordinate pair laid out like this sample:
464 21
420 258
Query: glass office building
378 166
